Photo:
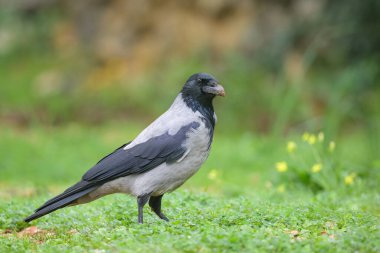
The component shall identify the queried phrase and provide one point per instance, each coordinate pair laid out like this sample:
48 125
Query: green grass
237 202
203 223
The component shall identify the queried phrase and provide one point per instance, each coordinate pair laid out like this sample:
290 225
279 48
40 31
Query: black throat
202 104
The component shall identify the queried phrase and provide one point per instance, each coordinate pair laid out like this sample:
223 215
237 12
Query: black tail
64 199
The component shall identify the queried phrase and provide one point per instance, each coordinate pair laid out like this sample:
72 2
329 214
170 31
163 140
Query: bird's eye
199 80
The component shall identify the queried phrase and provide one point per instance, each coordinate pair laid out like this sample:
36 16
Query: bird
159 160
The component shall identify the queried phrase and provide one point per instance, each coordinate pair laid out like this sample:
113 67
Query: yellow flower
305 136
349 180
331 146
212 175
281 188
316 168
291 146
281 167
312 139
321 137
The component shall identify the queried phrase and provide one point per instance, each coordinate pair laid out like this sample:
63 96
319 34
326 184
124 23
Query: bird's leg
141 201
155 204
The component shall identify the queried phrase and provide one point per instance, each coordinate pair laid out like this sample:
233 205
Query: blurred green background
295 161
78 78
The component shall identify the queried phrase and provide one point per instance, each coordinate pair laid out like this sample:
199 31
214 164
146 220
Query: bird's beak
220 90
217 89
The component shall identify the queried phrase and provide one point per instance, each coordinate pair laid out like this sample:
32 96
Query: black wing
140 158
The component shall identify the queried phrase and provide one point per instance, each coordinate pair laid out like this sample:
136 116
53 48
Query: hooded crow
159 160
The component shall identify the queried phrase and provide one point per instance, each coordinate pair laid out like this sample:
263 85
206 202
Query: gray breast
168 177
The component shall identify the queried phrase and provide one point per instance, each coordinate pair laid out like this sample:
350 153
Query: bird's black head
198 93
203 88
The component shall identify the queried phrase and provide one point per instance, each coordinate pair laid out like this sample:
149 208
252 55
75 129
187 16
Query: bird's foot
162 216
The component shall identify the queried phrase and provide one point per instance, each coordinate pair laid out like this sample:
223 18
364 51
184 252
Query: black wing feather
140 158
122 146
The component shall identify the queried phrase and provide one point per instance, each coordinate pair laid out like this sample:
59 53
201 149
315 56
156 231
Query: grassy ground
238 202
